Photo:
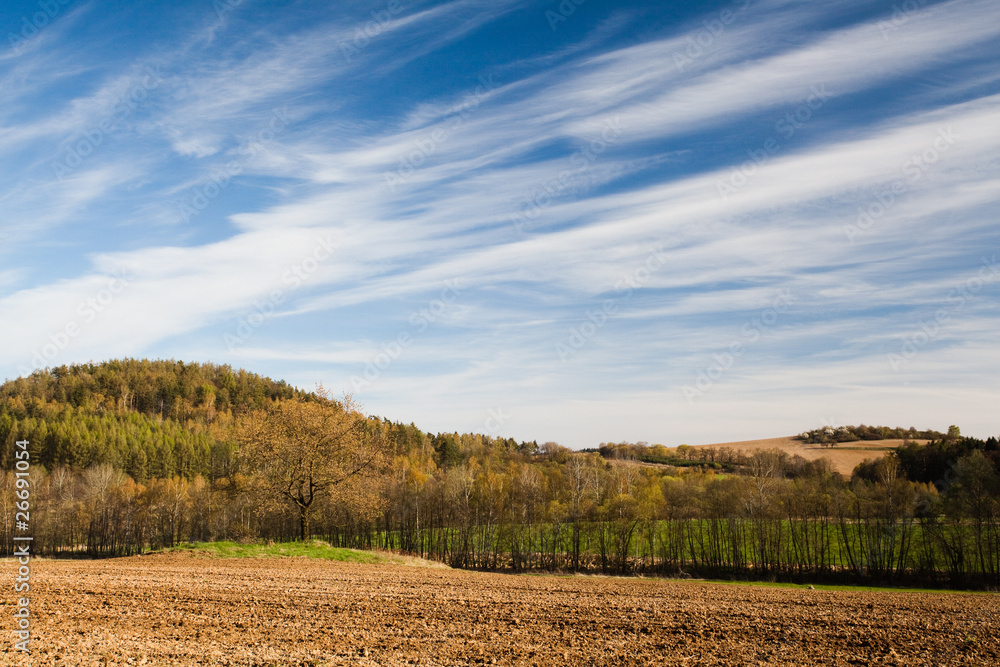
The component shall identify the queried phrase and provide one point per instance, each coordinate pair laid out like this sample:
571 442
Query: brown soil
185 610
843 458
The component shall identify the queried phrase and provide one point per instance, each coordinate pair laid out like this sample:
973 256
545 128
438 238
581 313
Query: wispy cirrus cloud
544 178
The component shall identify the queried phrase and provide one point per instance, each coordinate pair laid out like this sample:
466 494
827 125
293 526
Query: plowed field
186 610
843 458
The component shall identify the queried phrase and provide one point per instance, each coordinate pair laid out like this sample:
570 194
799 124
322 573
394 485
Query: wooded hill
162 419
149 419
133 454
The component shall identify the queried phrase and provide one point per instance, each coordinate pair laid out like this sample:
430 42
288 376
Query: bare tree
302 450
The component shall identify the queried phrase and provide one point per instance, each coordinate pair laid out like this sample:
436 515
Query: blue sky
579 221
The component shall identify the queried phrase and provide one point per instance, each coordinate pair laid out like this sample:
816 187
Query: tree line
834 435
275 463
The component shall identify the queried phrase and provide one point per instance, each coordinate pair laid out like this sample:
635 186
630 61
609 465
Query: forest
132 455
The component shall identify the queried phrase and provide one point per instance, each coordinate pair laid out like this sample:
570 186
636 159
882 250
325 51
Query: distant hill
167 418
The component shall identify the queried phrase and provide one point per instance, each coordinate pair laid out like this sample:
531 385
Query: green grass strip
311 549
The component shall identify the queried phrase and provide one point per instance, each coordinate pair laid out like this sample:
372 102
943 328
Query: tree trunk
303 522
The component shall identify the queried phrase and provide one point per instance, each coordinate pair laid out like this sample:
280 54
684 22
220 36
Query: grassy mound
311 549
